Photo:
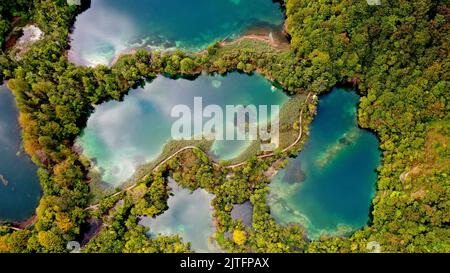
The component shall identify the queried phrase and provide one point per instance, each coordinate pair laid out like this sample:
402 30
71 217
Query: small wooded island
362 157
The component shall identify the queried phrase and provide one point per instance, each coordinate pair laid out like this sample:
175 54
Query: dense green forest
396 54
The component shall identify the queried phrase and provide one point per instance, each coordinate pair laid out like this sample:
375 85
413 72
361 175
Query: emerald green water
109 27
120 136
328 188
189 216
19 184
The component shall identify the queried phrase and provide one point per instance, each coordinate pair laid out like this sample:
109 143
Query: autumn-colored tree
239 237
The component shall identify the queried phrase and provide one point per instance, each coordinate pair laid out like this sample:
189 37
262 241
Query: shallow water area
120 136
110 27
328 188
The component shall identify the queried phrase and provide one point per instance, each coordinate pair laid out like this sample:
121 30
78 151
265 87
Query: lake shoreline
254 35
19 225
158 30
21 183
305 100
331 215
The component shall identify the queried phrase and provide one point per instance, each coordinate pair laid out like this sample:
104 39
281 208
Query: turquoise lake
109 27
19 184
120 136
189 216
328 188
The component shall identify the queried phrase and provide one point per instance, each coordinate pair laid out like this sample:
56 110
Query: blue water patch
328 188
120 136
109 27
19 185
